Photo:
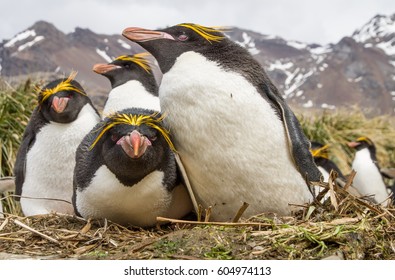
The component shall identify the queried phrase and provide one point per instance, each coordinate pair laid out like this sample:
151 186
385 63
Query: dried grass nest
342 227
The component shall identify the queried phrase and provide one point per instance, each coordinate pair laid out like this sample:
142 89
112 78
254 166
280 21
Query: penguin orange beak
134 144
138 34
353 144
101 68
59 103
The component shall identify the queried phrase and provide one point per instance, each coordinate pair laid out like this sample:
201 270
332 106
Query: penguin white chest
230 140
128 95
138 205
50 165
368 179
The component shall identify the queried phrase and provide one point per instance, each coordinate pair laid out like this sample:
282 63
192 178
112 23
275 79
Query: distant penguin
236 136
126 171
133 83
46 157
321 159
368 179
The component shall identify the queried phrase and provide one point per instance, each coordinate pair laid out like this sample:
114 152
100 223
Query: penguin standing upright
321 159
236 136
132 81
368 179
126 171
46 157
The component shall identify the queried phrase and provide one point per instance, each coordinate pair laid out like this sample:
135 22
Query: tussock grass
342 126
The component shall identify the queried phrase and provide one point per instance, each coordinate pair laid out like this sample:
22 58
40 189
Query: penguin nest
343 227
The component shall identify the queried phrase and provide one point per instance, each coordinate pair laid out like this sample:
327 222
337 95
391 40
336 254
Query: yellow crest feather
321 152
62 86
141 59
365 139
206 32
136 120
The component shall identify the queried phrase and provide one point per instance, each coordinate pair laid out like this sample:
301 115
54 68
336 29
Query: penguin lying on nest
368 179
45 160
126 171
132 81
237 138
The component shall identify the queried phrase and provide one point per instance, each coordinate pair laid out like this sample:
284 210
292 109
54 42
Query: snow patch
297 45
308 104
105 40
248 43
388 47
104 55
124 44
379 26
20 37
279 65
327 106
319 85
31 43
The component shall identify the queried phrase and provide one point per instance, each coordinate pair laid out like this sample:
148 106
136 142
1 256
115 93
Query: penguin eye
153 138
182 37
115 137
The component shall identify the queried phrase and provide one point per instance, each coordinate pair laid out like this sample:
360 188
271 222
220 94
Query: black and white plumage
45 161
238 139
368 179
133 83
323 162
126 171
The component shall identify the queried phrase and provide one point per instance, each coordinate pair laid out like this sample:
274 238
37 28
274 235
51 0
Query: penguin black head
319 151
128 67
362 143
61 100
175 40
133 139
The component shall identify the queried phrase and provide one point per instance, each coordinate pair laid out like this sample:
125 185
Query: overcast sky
308 21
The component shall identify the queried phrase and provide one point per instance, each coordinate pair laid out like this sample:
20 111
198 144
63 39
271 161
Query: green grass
16 106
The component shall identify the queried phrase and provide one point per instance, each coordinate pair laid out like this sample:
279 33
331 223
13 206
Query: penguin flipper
298 143
29 137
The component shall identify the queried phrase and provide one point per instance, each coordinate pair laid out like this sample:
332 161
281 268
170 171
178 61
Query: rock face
357 70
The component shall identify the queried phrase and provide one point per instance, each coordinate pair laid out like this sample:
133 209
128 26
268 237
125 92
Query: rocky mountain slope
357 70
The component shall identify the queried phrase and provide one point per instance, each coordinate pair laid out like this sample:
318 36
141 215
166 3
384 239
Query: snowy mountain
357 70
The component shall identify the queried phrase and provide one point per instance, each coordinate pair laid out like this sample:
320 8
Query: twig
162 219
19 223
240 212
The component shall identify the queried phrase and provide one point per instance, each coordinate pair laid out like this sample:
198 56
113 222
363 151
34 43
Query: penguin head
169 43
319 150
127 67
133 139
362 143
61 100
